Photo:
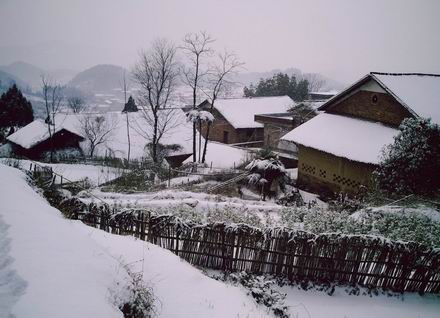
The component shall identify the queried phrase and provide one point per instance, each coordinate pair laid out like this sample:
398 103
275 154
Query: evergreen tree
411 165
130 106
15 109
278 85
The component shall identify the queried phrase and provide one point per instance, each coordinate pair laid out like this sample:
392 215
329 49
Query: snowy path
70 268
67 274
12 286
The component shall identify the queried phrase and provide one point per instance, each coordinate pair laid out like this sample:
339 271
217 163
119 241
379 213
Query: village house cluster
335 151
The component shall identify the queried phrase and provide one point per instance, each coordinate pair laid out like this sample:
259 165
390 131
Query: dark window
374 99
225 137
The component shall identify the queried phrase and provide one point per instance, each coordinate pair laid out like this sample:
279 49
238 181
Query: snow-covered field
60 268
76 172
173 200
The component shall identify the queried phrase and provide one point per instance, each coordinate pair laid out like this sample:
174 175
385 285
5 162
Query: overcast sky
341 39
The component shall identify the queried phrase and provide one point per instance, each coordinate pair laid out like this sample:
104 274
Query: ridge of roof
252 97
405 74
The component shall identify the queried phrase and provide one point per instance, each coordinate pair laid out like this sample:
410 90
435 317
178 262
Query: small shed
33 140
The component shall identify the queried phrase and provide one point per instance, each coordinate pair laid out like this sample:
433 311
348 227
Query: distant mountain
25 71
7 80
62 76
31 74
99 79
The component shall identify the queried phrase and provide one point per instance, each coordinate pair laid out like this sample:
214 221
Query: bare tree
125 88
97 130
316 82
53 97
196 46
220 81
76 104
156 73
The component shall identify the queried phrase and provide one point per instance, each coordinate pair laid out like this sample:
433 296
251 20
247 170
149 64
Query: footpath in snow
62 268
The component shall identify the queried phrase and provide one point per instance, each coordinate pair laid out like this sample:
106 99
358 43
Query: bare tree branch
196 46
156 73
219 81
53 97
97 130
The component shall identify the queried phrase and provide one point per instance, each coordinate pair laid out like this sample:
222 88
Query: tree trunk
128 138
200 139
205 146
154 142
194 143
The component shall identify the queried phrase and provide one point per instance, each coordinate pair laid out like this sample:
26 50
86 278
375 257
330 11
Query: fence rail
327 258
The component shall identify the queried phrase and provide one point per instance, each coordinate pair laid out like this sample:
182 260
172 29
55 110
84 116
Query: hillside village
187 186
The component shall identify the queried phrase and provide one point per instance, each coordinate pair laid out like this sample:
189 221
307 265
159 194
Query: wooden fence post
142 234
177 243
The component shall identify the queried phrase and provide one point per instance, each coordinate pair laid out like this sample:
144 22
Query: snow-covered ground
315 304
53 267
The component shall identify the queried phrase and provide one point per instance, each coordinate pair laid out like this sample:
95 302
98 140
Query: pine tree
278 85
130 106
15 109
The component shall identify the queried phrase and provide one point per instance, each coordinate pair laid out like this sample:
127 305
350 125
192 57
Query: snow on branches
196 116
267 174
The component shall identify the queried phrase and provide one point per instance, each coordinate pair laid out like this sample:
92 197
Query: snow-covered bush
412 163
133 297
260 288
231 215
267 174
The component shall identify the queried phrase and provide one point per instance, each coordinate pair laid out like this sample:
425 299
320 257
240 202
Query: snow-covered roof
351 138
240 112
418 92
35 133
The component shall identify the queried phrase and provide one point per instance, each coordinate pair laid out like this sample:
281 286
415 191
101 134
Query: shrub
412 163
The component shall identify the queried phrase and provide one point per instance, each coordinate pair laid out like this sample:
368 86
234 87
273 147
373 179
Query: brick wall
221 125
375 106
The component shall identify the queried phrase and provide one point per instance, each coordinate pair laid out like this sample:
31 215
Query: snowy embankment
56 267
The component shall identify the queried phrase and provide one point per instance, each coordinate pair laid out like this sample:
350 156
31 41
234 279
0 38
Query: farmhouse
340 148
234 117
33 140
